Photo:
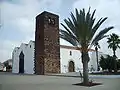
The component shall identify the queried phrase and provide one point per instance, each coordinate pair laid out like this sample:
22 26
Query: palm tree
79 31
114 43
96 45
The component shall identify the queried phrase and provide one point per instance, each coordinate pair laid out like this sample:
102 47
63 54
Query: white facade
28 50
65 58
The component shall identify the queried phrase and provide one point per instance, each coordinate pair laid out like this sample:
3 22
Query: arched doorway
71 67
21 62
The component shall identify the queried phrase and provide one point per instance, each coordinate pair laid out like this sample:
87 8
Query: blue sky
18 19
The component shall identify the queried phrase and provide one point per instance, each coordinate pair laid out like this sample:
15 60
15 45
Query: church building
45 54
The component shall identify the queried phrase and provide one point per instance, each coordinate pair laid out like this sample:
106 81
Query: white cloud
104 8
21 16
5 49
25 25
7 46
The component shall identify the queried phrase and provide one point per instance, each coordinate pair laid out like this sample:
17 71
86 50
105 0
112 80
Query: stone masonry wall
47 45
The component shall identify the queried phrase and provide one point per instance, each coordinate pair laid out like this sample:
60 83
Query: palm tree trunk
115 63
96 49
85 60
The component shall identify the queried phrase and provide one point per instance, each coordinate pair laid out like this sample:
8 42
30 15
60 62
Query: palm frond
101 35
97 25
70 38
113 41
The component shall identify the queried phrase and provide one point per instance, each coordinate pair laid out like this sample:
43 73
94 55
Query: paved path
39 82
77 74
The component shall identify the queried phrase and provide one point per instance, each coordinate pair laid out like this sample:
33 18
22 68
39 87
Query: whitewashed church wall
65 57
93 59
16 54
29 61
76 57
23 49
15 65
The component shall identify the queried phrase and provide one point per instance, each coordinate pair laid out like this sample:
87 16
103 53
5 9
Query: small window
30 46
70 53
53 21
49 20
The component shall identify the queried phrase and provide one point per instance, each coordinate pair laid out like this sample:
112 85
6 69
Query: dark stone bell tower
47 46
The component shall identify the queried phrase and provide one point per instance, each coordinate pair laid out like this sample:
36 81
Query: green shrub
118 64
107 63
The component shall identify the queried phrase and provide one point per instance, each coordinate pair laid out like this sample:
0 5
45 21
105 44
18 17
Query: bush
107 63
118 64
